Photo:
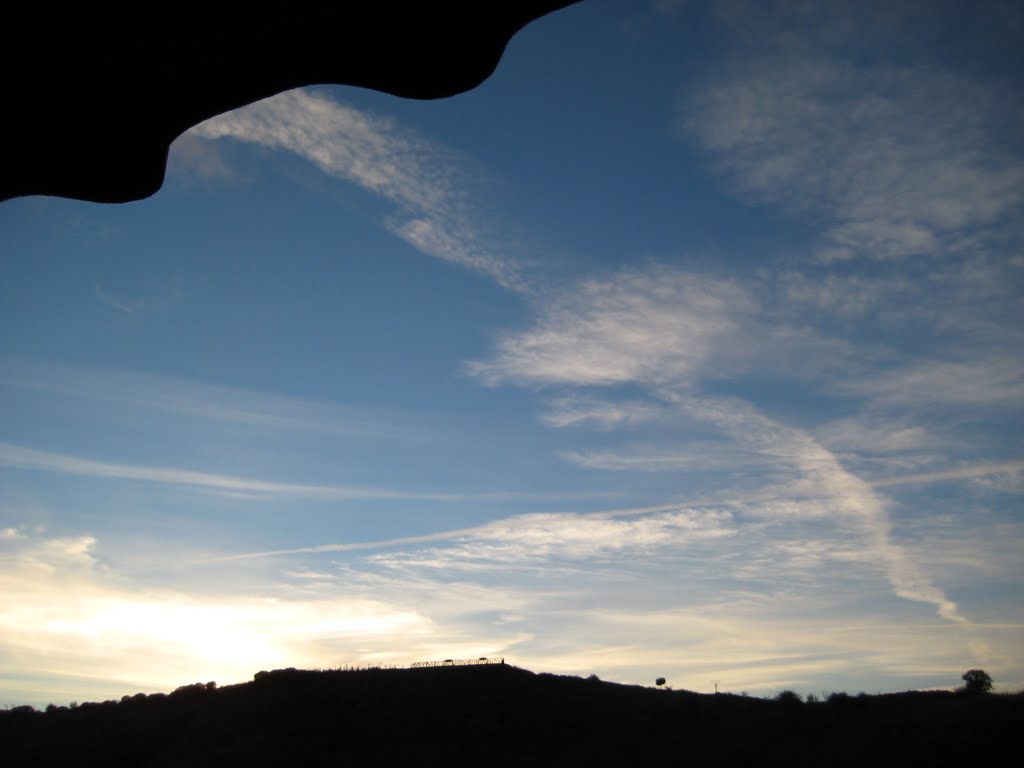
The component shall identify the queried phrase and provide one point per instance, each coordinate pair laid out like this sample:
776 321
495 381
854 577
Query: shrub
789 697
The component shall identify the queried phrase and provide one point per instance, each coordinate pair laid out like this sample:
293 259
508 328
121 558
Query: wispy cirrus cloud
420 178
131 306
146 394
19 457
562 538
193 156
896 160
973 301
876 435
699 457
960 473
832 490
602 414
672 333
537 536
923 383
657 325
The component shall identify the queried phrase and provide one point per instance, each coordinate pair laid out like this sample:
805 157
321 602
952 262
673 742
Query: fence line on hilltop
458 662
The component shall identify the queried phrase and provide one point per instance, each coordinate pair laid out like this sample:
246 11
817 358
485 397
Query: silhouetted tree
976 681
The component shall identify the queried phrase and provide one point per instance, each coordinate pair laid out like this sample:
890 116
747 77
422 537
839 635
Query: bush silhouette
976 681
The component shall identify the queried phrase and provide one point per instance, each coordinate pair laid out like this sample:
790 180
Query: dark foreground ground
502 716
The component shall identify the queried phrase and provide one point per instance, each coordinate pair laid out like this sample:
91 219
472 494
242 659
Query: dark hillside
501 715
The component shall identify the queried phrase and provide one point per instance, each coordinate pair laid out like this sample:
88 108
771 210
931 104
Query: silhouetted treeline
503 716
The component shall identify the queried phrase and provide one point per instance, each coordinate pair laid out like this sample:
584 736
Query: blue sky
687 345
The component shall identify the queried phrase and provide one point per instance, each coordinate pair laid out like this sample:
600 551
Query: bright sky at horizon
690 345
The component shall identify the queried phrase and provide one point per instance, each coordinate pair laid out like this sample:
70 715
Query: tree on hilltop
976 681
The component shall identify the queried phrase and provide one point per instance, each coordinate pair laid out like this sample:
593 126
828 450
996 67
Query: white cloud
694 458
656 326
673 334
922 341
454 240
967 306
991 381
419 177
587 411
1007 468
874 435
833 491
191 155
741 591
898 161
664 330
131 306
543 537
368 150
846 295
144 395
28 458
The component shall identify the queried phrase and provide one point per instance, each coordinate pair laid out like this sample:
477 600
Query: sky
689 345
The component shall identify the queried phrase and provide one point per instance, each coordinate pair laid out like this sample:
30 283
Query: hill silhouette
499 715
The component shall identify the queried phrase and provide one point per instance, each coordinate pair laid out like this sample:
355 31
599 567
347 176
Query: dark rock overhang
95 95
